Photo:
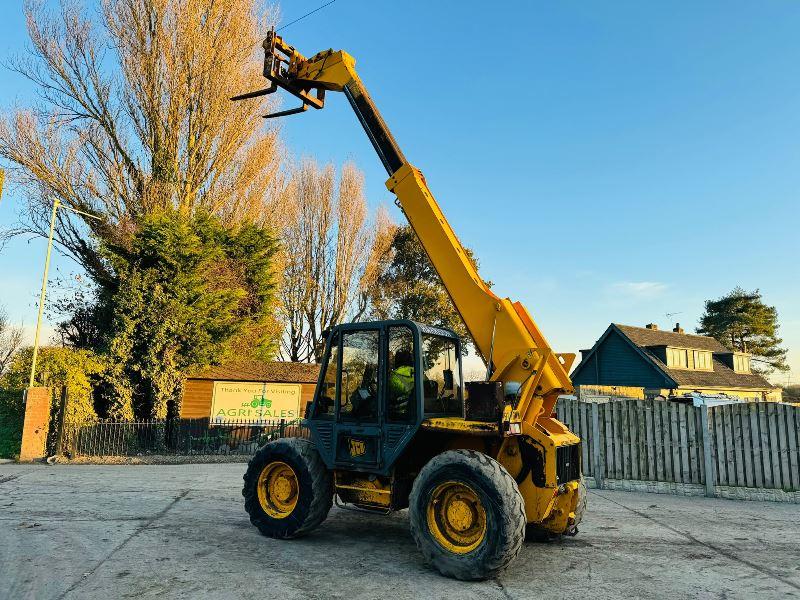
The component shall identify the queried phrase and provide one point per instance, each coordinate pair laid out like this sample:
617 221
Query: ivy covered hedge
77 370
11 415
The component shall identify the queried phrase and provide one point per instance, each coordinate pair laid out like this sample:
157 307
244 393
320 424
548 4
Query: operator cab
378 382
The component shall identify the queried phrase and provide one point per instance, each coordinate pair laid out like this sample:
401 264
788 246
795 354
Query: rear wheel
287 489
467 515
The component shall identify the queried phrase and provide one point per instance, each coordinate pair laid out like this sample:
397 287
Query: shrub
56 368
11 416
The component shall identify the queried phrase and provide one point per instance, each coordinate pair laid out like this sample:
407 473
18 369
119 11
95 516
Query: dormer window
738 362
684 358
677 358
741 363
702 360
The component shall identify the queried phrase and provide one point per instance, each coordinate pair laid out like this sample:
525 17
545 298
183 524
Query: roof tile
253 370
641 336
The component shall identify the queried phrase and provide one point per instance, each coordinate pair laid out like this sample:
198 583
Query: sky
607 162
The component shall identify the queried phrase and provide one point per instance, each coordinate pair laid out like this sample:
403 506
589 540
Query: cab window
441 383
327 392
358 393
401 395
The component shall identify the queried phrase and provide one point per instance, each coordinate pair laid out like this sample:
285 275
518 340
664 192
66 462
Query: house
670 363
249 390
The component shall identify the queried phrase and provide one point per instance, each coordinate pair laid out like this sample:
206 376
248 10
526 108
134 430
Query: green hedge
12 413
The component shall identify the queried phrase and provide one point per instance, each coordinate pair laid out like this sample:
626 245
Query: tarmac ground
180 531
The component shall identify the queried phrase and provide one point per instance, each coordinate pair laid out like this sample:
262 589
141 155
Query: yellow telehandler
480 464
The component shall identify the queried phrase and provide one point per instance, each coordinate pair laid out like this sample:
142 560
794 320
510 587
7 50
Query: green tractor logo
261 401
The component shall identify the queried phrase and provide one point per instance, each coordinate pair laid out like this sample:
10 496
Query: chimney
678 328
652 326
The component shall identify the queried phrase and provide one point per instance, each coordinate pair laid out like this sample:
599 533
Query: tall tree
410 288
134 124
134 117
332 254
192 292
742 322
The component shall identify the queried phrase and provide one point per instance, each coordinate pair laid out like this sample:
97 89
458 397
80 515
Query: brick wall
35 426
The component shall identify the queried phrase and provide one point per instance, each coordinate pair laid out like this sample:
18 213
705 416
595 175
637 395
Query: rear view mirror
449 383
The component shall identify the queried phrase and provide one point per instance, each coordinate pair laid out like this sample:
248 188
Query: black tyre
287 489
467 515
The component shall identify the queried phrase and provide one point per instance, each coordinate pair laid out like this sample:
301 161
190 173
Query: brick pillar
36 424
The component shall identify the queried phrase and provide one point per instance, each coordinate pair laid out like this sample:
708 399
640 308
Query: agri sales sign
238 401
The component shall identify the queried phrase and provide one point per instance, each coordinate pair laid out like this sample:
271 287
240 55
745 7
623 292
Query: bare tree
333 253
10 340
134 116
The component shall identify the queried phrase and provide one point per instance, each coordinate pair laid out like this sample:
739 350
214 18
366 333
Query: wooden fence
754 445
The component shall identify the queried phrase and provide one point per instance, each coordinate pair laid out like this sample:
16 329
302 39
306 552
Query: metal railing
178 437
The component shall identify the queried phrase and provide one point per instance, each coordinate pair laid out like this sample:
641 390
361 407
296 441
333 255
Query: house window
677 358
696 360
702 360
741 363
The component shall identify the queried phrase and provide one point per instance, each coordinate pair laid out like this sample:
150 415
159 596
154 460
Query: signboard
240 401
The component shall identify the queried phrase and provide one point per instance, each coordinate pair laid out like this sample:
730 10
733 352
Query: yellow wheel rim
456 517
278 490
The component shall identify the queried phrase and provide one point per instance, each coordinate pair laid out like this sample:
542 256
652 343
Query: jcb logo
357 447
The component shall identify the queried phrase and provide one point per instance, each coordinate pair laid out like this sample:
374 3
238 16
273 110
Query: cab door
360 391
402 389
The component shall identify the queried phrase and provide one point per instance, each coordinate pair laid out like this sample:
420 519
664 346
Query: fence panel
718 447
775 460
649 424
624 436
674 442
747 446
783 447
750 445
740 426
694 448
583 425
792 417
606 450
766 459
755 445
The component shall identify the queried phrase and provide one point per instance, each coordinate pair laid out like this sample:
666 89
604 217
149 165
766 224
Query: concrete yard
180 531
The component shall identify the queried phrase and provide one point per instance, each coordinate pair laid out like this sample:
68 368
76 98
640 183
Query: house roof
721 376
253 370
641 336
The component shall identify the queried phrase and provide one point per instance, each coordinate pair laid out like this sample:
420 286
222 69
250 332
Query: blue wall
616 362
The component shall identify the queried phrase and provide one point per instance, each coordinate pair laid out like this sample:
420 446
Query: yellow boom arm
504 333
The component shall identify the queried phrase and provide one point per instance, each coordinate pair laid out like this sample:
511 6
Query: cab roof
422 327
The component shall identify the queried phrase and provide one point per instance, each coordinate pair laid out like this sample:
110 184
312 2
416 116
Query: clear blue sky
606 161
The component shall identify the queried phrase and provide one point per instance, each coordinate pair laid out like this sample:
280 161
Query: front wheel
467 515
287 489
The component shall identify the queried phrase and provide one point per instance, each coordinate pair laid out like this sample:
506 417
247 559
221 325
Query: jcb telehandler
392 423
